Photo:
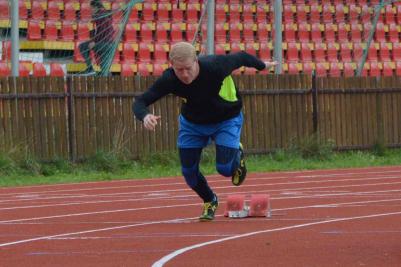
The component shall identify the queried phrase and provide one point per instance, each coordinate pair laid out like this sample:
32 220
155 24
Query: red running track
347 217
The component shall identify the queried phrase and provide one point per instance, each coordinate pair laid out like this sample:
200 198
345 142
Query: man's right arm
141 103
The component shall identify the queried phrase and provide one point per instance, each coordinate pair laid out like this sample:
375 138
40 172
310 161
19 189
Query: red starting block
259 206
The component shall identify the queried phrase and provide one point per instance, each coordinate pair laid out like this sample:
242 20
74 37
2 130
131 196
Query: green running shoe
209 209
240 173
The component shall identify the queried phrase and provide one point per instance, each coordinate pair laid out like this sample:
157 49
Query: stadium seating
39 70
326 36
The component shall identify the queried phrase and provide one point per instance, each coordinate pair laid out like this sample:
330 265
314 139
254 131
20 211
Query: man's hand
150 121
270 64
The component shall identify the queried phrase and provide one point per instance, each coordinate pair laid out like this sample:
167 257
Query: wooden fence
77 116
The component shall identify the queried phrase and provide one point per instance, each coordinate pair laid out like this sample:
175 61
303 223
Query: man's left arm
234 61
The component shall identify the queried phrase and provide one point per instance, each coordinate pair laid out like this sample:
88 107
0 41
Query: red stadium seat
4 70
374 69
353 12
265 52
250 48
85 12
314 13
384 52
235 31
372 53
393 33
263 32
128 53
161 33
51 32
77 55
339 13
329 33
289 32
320 52
34 31
53 11
220 33
316 32
332 52
356 30
176 32
357 52
307 67
301 13
23 70
306 52
234 14
146 32
157 70
6 50
192 13
303 32
144 53
148 12
67 31
396 52
380 35
23 10
162 12
288 15
349 69
342 33
126 70
4 11
292 52
248 33
334 69
160 53
390 14
70 12
321 69
327 13
219 49
130 34
388 69
37 11
56 70
191 31
143 69
177 14
398 68
39 70
83 32
293 68
236 47
247 13
345 52
261 15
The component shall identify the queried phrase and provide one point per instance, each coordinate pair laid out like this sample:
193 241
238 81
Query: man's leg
85 52
190 158
229 152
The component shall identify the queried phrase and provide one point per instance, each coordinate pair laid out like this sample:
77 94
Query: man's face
186 70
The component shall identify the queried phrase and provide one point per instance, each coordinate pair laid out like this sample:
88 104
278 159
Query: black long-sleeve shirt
203 104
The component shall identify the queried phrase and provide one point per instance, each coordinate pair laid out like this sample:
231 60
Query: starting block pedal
259 206
235 206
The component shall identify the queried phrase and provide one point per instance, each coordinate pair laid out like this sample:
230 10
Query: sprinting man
211 110
103 38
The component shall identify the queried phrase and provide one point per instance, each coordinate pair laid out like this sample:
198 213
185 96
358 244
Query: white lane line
281 175
194 204
178 252
92 231
216 187
287 192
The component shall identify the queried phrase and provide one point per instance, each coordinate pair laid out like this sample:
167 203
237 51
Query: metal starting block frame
237 206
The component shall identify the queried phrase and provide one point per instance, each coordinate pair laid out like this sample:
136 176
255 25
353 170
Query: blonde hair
182 51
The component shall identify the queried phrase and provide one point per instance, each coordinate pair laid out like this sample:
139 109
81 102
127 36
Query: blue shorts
226 133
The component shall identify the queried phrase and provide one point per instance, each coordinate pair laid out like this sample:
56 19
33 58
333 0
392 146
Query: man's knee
226 160
225 169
